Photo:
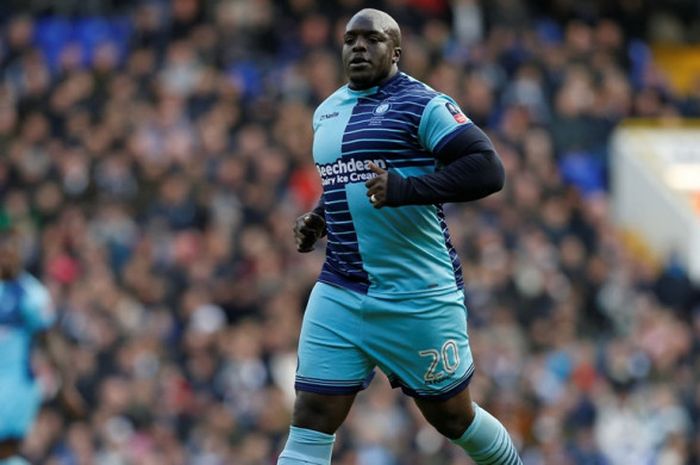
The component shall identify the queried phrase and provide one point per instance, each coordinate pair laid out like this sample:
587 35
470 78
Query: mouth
358 62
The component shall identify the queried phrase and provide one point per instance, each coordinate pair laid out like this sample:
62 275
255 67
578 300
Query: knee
308 410
452 424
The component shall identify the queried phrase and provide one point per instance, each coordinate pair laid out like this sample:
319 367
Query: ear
396 55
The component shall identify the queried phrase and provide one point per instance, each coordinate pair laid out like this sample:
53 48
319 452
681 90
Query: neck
361 86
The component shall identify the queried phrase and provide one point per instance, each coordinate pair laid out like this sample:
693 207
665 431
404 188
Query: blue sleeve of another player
441 117
37 307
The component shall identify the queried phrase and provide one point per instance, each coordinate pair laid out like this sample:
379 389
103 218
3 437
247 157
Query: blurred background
154 154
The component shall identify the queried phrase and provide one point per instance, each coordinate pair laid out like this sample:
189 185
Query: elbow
500 179
498 175
495 186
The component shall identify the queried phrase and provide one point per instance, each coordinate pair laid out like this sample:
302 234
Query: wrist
397 190
318 223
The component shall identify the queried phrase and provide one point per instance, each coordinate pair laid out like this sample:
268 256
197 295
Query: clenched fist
377 186
308 228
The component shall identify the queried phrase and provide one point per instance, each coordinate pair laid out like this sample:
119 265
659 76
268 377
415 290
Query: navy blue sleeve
472 171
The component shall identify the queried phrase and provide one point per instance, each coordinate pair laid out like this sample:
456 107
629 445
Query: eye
348 40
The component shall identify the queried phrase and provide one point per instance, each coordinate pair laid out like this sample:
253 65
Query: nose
359 45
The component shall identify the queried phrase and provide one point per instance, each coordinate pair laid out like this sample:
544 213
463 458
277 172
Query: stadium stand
154 154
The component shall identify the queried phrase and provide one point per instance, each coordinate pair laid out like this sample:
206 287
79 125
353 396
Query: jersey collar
375 89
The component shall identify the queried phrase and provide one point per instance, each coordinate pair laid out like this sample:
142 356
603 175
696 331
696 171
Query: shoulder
336 97
411 95
31 285
443 102
28 280
429 98
37 303
409 88
331 102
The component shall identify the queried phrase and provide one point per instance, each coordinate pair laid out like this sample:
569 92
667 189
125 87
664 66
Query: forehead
365 24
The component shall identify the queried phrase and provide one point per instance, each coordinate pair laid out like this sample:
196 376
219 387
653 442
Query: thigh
331 360
422 344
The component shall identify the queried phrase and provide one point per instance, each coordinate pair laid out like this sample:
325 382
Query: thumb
376 169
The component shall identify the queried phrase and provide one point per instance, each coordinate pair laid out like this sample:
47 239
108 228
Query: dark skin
371 49
308 228
50 343
371 53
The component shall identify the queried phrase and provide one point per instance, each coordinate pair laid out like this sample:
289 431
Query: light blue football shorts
420 344
19 403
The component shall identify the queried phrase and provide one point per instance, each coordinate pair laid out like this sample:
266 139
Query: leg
481 435
9 452
316 418
450 417
422 344
324 413
9 448
331 370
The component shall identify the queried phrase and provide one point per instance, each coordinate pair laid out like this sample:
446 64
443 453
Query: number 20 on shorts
448 355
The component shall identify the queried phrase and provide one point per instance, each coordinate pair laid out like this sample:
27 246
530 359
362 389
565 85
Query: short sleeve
441 117
37 308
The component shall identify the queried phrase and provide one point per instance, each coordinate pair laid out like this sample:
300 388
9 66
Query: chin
361 81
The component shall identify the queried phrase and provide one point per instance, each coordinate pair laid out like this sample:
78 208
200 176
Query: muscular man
390 151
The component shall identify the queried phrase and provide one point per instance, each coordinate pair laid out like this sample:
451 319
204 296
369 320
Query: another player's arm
39 317
55 348
472 171
310 227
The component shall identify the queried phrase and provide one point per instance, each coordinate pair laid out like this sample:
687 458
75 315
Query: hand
377 186
308 228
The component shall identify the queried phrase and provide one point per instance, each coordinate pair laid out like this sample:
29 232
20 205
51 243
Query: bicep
464 141
441 119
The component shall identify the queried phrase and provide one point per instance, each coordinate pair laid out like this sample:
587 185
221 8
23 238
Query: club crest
382 108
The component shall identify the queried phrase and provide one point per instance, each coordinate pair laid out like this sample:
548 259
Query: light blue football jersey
25 309
393 252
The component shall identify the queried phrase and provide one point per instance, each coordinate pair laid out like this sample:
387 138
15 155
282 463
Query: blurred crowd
155 175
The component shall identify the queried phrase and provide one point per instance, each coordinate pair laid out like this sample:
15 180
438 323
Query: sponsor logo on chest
345 171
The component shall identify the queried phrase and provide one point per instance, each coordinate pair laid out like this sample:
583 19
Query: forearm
473 171
56 351
469 178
